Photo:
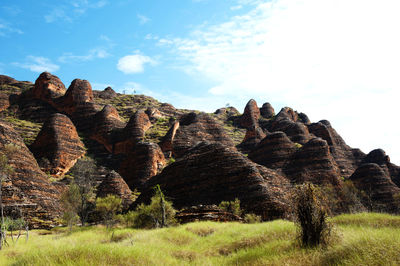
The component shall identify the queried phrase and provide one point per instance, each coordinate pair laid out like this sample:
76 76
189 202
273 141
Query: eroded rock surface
58 143
210 173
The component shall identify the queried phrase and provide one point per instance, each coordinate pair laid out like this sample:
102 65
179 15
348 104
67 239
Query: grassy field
361 239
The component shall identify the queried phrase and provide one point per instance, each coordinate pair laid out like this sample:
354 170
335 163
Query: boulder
78 93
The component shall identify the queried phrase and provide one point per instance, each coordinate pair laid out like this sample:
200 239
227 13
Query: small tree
71 202
311 216
83 172
108 208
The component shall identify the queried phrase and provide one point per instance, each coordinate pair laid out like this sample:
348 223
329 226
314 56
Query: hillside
197 158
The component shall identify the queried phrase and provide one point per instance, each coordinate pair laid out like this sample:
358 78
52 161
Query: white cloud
91 55
338 60
38 64
132 64
6 28
142 19
150 36
70 10
237 7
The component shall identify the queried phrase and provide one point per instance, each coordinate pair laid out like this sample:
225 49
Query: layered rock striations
211 172
58 143
27 188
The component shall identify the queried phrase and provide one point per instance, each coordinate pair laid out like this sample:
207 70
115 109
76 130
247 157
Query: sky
331 59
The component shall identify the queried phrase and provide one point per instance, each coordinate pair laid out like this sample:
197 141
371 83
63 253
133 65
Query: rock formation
267 111
379 190
59 144
27 188
48 88
194 128
211 172
274 151
313 163
143 161
114 184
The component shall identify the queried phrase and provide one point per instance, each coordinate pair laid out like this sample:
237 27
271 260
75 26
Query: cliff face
256 156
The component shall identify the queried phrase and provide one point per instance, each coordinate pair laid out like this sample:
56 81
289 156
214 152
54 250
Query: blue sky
337 60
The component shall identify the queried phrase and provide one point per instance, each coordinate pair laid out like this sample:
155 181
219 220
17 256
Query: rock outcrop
210 173
107 93
267 111
314 163
143 161
48 88
274 151
194 128
114 184
379 190
27 188
58 143
347 158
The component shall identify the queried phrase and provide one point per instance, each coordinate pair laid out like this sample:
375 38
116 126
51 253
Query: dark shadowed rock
250 115
304 118
59 143
210 173
167 141
251 139
296 131
287 113
194 128
313 163
346 158
28 188
107 93
143 161
274 151
47 88
229 111
377 186
267 111
114 184
377 156
205 213
104 123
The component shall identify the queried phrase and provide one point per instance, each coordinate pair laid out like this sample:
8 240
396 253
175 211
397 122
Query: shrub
231 206
108 208
251 218
311 216
152 215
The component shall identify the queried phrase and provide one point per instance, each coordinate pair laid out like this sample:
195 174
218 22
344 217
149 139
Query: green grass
361 239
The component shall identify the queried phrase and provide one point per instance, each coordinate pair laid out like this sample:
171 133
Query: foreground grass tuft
363 239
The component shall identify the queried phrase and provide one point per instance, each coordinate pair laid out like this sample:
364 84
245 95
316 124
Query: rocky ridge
197 158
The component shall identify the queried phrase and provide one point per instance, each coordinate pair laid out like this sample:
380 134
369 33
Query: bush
311 216
108 208
231 206
151 216
251 218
